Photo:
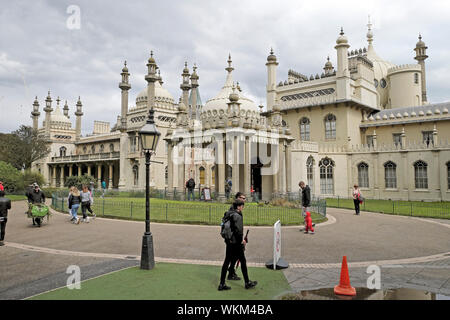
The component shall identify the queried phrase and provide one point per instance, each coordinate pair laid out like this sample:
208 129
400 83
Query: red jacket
308 222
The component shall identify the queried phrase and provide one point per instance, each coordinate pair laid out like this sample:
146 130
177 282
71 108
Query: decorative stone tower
185 86
35 114
124 86
421 55
328 67
48 110
66 110
78 114
342 73
271 79
194 86
151 79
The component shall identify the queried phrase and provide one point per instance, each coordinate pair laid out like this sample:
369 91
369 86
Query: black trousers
2 230
234 252
84 206
356 202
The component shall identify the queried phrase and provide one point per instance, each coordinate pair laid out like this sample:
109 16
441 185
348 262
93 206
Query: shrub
79 181
29 177
11 178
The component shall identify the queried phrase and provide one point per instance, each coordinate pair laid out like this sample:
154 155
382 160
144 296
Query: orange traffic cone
344 287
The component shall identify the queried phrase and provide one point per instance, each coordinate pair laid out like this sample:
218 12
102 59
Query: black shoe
250 284
223 287
2 243
233 276
313 224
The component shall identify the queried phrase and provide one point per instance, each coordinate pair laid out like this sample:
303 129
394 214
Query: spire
369 33
271 57
66 110
229 68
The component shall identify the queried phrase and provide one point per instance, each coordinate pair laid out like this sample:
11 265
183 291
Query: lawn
15 197
191 212
409 208
169 281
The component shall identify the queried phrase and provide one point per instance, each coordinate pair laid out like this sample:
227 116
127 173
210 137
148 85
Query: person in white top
356 198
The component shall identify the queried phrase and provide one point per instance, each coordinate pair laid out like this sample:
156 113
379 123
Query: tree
79 181
22 147
11 177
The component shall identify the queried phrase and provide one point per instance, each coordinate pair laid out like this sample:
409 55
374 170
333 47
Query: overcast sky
39 52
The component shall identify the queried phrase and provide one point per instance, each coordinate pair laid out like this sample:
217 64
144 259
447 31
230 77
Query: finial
125 63
342 31
328 58
229 68
271 50
151 53
420 36
185 64
194 67
57 101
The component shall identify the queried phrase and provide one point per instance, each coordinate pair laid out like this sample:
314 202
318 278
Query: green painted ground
169 281
15 197
192 212
439 210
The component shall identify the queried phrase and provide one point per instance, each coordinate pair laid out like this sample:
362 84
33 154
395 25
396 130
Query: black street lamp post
149 135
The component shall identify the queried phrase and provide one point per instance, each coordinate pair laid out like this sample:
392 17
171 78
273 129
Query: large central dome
161 94
221 100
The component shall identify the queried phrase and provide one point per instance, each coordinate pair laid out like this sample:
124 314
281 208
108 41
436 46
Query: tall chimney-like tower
35 114
124 85
421 55
78 114
271 80
151 79
48 110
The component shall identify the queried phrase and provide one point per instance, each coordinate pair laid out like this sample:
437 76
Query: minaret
124 87
342 73
328 67
194 86
185 86
421 55
78 114
48 110
271 79
35 114
66 110
151 79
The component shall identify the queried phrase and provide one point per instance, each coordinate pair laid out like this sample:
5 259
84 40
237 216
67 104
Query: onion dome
420 43
271 57
342 39
125 68
234 96
151 59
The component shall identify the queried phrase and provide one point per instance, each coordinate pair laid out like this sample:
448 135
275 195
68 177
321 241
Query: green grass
192 212
439 210
169 281
15 197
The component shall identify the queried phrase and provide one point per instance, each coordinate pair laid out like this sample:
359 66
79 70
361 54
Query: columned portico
110 182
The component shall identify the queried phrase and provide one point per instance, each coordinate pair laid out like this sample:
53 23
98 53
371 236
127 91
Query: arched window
213 175
330 126
390 175
416 78
135 175
111 147
202 175
166 175
310 172
92 149
304 129
62 151
326 176
363 175
102 148
84 149
420 175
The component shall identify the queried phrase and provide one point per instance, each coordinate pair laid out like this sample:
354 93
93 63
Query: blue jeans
191 192
75 210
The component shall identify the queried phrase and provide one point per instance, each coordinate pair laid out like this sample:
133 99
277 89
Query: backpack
225 227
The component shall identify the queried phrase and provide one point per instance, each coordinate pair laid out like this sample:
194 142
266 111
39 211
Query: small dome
342 38
420 43
271 57
160 94
234 97
125 68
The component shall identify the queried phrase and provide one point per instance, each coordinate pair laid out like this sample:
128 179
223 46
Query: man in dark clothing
231 270
35 196
190 185
306 199
235 247
5 205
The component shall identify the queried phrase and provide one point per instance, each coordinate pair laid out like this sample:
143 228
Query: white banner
276 243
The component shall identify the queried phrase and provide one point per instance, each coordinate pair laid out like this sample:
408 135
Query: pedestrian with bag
190 185
233 234
86 199
35 196
74 204
5 205
357 198
306 200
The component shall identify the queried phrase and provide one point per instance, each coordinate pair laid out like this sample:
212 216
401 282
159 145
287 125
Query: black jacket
190 184
237 226
74 200
5 205
36 197
306 196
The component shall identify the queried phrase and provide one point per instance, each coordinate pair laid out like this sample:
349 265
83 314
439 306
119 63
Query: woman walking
86 200
356 198
74 204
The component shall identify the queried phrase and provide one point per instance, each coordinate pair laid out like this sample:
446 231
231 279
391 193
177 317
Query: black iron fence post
166 211
210 214
103 207
131 209
411 208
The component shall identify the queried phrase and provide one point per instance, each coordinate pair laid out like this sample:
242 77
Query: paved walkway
34 256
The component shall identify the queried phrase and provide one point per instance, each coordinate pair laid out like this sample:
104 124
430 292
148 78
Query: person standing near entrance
306 197
5 205
103 188
190 185
235 247
356 198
